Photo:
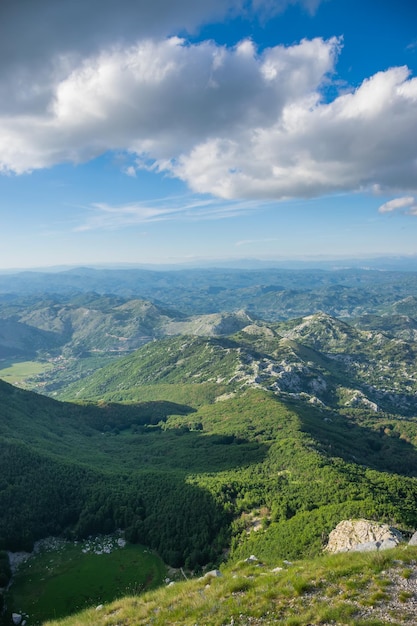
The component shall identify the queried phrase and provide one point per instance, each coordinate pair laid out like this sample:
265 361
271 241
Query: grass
317 591
60 582
18 372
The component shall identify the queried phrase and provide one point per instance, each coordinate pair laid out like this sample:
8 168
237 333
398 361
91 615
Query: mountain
323 359
77 331
18 339
86 323
400 326
90 323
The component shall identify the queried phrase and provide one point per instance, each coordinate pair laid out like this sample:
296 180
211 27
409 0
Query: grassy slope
373 589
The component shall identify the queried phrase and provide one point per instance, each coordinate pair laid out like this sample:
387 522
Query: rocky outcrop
362 535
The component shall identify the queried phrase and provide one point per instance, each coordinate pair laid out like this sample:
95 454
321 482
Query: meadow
17 372
67 577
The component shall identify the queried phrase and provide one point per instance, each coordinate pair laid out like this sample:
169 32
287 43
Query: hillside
191 482
230 458
322 358
353 590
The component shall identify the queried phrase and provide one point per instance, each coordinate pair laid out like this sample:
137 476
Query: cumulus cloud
232 122
407 205
40 41
164 99
361 139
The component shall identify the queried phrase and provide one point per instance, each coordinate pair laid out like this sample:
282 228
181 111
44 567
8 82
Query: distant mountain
271 294
400 326
83 323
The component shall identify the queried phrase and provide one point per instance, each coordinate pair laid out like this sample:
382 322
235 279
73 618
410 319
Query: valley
187 409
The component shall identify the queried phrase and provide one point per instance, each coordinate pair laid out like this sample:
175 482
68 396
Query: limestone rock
214 573
369 546
413 540
362 535
251 559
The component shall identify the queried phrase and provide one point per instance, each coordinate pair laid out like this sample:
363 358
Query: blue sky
137 132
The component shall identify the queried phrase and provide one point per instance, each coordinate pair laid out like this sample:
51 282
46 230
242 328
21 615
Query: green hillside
183 479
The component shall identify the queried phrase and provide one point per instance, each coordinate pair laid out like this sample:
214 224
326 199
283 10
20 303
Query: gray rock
16 618
388 544
413 540
362 535
214 573
251 559
368 546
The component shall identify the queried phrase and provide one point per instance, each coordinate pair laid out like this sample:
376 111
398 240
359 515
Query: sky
137 132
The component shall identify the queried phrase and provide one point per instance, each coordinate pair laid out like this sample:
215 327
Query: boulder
251 559
413 540
214 573
16 618
362 535
368 546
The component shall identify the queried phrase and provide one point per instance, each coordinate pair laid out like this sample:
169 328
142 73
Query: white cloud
40 41
162 99
361 139
230 122
406 205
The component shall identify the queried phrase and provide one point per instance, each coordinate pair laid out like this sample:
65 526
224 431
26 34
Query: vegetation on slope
188 482
373 589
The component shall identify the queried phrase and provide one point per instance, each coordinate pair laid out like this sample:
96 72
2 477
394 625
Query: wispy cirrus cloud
103 216
406 205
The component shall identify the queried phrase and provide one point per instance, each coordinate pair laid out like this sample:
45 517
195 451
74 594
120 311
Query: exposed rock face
362 535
